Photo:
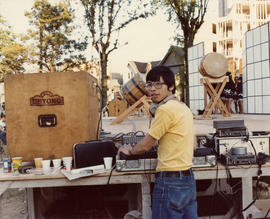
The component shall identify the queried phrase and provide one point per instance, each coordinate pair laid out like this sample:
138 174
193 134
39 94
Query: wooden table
30 181
141 177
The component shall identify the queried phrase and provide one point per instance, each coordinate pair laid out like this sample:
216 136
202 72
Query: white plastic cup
67 161
108 162
56 163
46 165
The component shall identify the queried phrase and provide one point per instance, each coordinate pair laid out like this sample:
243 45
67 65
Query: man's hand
144 145
125 149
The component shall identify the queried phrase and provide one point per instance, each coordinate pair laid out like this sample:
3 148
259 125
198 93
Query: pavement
253 122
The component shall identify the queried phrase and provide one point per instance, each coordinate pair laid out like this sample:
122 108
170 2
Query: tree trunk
186 83
51 61
40 48
188 43
104 78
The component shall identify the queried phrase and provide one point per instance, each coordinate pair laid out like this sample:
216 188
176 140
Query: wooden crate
116 107
47 113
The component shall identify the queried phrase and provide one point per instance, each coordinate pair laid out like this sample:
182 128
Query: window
214 28
214 47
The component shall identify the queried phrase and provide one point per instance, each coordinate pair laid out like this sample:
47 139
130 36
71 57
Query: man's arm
144 145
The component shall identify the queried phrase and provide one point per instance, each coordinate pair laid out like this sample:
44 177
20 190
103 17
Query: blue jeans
175 197
3 137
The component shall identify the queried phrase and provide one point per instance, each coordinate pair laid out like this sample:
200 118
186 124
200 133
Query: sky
143 40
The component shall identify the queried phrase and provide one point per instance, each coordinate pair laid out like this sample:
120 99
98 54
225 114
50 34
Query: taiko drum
213 65
134 89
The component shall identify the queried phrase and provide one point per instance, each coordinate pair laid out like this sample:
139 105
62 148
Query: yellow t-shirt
173 127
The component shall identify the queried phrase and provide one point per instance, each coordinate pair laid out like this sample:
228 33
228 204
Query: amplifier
260 143
230 128
136 165
227 124
151 163
145 161
203 157
241 159
232 132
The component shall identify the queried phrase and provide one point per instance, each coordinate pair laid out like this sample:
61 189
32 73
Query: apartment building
228 25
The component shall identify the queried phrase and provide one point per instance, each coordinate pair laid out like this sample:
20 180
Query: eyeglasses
157 85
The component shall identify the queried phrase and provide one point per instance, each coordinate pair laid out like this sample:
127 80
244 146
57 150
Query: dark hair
228 73
162 71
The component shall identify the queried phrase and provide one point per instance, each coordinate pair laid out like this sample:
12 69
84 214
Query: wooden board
214 93
70 96
116 107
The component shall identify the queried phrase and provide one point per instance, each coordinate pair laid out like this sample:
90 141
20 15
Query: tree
13 54
189 15
52 35
105 18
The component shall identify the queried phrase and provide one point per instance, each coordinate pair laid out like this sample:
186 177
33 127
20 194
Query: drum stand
142 104
215 96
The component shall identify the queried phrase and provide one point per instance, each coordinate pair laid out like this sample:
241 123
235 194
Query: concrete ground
135 123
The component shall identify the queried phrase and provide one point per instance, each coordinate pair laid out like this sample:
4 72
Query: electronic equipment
204 161
136 165
151 163
204 157
238 156
207 140
132 138
152 153
226 124
230 128
247 159
232 132
145 161
260 143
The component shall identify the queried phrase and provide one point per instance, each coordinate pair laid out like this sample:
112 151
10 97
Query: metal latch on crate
47 120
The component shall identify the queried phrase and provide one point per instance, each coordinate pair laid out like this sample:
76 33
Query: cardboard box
47 113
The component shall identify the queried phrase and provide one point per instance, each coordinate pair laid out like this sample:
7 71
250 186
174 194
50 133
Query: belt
174 173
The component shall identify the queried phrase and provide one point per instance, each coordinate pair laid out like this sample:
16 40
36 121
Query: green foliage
51 33
189 15
13 54
105 18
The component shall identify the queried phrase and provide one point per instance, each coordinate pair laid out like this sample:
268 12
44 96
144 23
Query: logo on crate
46 98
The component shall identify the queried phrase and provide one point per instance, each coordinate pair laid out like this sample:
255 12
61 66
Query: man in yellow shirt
174 193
